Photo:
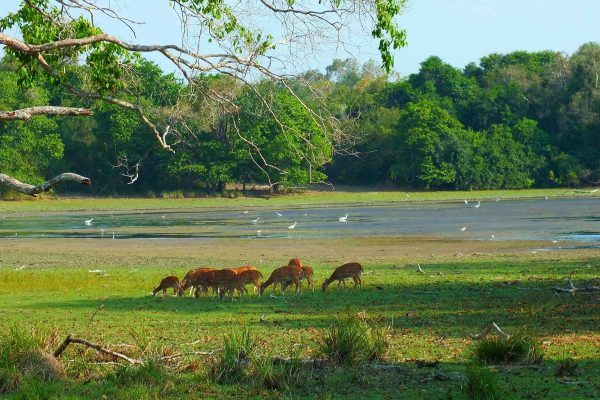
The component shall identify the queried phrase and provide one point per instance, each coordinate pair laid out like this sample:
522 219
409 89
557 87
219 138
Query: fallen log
572 289
97 347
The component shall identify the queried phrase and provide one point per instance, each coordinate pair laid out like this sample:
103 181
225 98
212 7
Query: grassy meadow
99 290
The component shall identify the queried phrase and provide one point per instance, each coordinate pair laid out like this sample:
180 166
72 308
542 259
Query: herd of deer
227 281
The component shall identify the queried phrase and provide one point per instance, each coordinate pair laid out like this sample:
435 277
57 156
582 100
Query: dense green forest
513 120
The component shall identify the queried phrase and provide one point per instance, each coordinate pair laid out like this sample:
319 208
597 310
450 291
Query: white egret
255 221
464 228
478 204
245 211
278 214
344 218
466 202
89 221
113 235
292 226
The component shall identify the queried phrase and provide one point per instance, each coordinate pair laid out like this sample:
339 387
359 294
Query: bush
519 347
23 359
352 339
231 365
481 384
566 367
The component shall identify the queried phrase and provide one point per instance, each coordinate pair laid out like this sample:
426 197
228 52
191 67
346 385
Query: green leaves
390 36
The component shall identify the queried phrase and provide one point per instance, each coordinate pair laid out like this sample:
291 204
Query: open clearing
47 283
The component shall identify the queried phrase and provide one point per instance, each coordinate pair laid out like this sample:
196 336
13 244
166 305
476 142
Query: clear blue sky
458 31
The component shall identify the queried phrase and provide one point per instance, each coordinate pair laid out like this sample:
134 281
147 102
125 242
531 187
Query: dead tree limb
491 327
572 289
27 113
42 187
97 347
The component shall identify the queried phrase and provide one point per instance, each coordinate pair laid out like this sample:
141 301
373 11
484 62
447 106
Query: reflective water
553 219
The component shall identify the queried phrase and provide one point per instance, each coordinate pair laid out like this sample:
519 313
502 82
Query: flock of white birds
256 221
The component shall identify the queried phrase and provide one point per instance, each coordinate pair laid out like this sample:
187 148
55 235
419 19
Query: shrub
235 356
481 384
352 339
566 367
23 359
519 347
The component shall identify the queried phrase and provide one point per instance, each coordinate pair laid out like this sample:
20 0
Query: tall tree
53 35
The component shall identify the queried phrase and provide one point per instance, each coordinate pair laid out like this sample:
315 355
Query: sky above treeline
458 31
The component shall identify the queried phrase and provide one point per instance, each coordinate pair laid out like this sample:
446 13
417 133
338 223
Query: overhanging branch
43 187
27 113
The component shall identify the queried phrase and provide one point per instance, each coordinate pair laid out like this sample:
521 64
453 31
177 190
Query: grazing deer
250 276
307 273
222 281
281 276
341 273
191 278
169 282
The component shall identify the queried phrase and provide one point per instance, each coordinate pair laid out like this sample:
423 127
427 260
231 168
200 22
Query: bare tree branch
43 187
101 349
27 113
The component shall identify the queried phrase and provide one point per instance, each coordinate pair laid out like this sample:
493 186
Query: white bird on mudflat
255 221
464 228
343 219
258 232
478 204
245 211
89 221
292 226
466 202
278 214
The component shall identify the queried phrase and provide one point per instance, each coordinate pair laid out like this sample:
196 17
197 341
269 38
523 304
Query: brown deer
222 281
191 278
281 276
341 273
250 276
243 268
307 273
169 282
295 262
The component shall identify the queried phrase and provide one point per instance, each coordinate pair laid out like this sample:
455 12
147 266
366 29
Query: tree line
518 120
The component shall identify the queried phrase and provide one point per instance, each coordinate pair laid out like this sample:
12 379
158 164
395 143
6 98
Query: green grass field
431 317
341 196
